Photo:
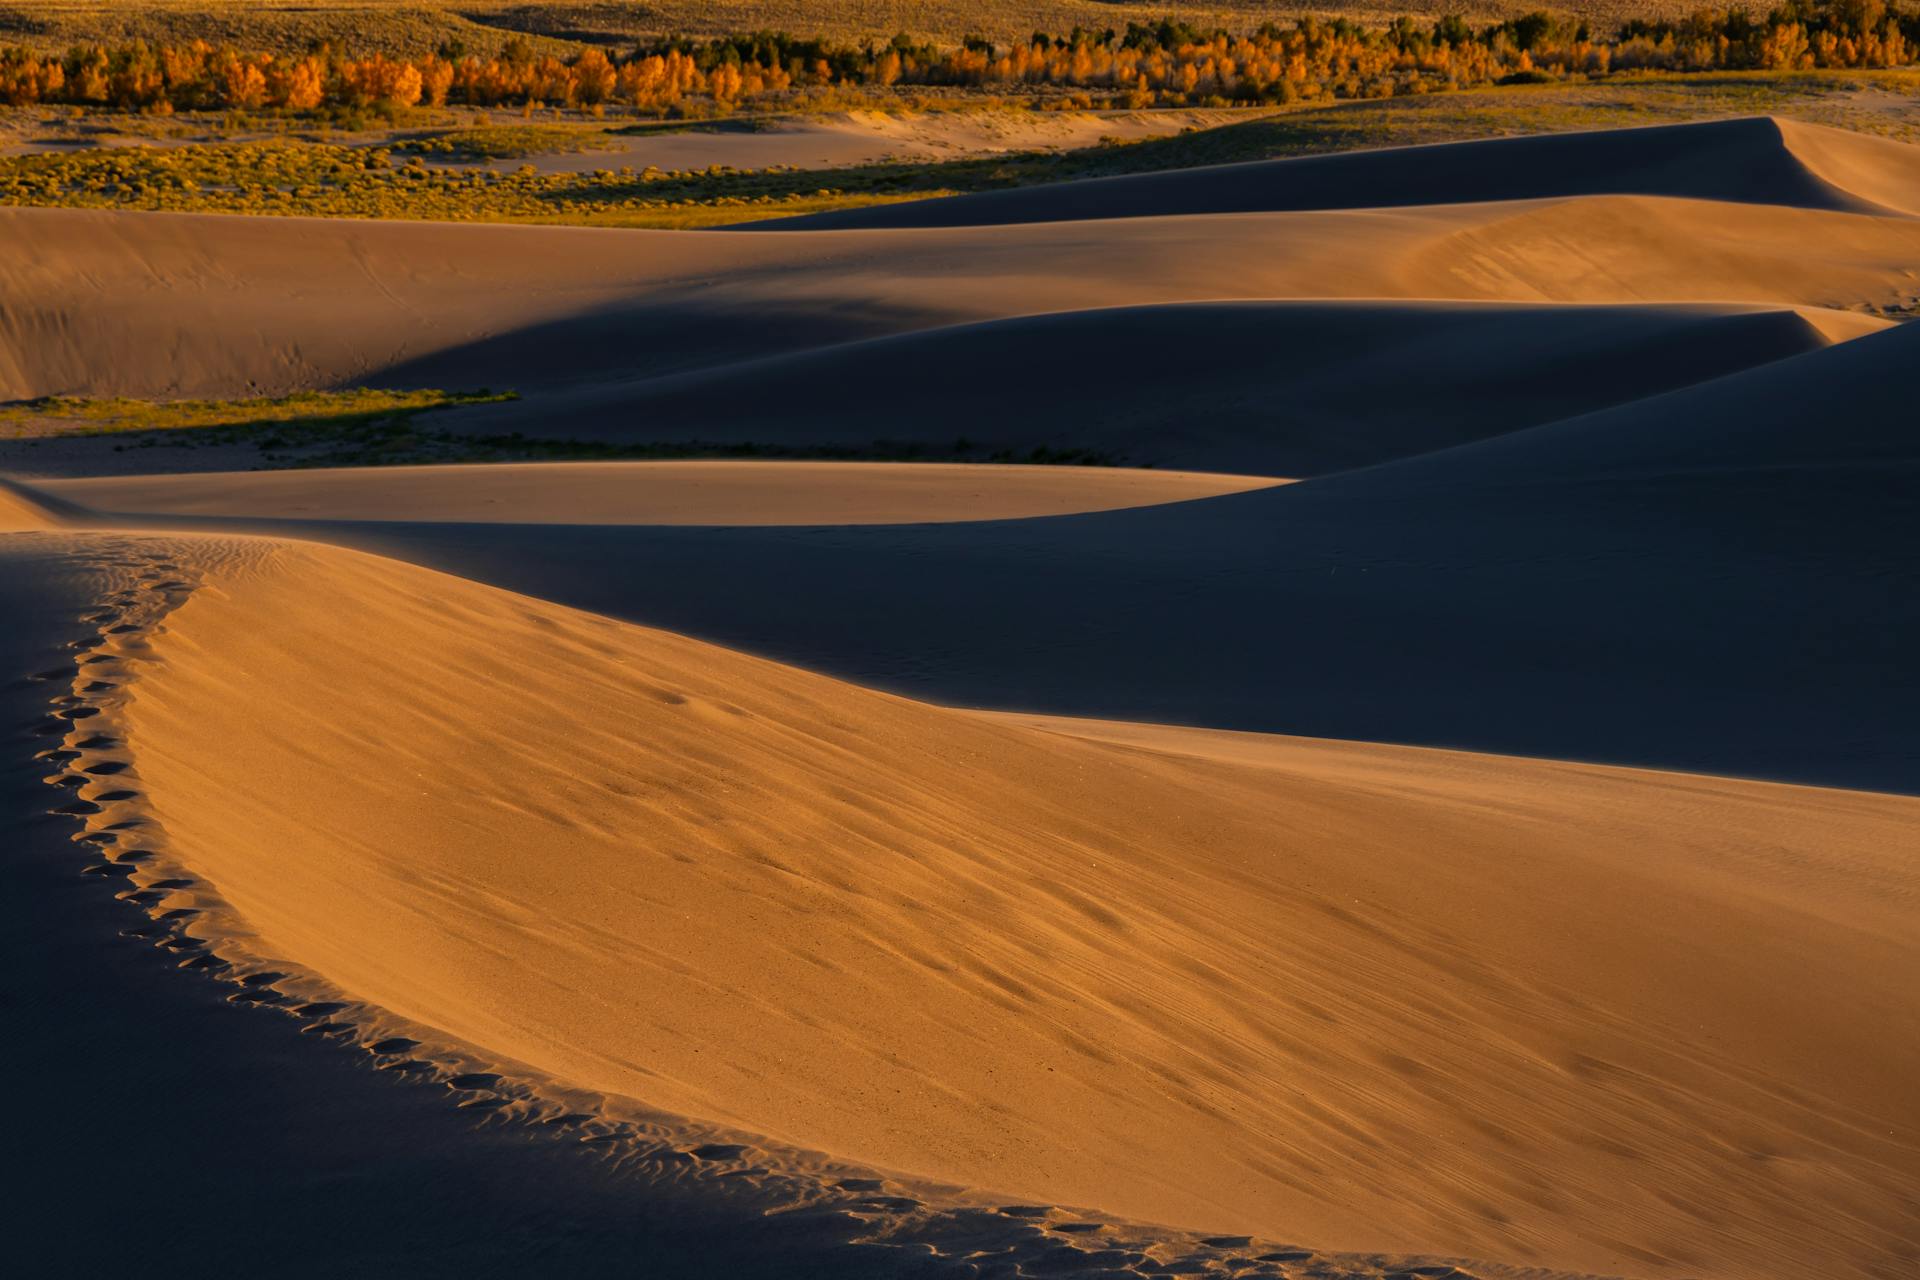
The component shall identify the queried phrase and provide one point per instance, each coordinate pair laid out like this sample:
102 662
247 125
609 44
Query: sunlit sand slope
1365 997
140 304
1756 160
656 493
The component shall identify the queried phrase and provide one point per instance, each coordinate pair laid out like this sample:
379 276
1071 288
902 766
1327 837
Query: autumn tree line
1148 64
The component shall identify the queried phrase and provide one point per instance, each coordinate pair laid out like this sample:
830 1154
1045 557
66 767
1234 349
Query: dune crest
170 305
737 493
1371 997
1750 159
1263 387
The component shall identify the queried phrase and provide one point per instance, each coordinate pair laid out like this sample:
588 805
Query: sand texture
1454 815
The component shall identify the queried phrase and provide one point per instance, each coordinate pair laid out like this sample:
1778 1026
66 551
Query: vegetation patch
361 418
505 142
317 177
1164 63
366 427
329 180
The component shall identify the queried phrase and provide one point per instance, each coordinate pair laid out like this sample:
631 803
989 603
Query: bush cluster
1160 64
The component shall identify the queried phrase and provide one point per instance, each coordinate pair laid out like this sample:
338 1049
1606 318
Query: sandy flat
653 493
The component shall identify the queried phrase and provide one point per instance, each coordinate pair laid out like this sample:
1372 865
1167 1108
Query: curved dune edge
1368 997
1248 386
153 304
1881 171
1748 159
652 493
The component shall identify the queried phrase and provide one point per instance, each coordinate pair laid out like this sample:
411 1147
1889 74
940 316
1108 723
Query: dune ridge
1751 159
1259 387
738 493
759 897
172 305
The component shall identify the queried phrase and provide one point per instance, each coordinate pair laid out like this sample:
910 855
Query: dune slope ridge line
1370 997
1266 387
1751 160
653 493
151 304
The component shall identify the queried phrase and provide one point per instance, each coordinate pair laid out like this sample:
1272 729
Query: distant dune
1754 160
185 305
1276 388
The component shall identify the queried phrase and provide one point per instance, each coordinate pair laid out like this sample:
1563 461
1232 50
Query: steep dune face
18 514
1755 160
1879 170
1367 997
1841 408
178 305
1271 388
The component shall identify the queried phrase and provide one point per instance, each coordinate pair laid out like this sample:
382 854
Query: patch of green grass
289 177
231 421
505 142
366 427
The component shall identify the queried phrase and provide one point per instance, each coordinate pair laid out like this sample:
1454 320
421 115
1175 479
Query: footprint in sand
718 1151
107 869
328 1028
320 1009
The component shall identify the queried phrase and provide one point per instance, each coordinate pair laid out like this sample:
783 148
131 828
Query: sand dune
652 493
1574 600
1268 388
1380 998
549 789
181 305
1755 160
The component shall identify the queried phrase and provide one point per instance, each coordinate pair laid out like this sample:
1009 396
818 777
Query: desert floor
1447 802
